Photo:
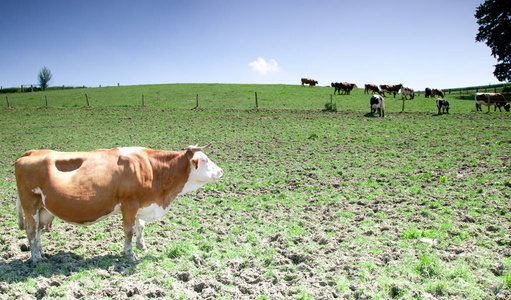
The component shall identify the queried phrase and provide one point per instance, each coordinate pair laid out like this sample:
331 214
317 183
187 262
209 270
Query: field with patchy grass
313 205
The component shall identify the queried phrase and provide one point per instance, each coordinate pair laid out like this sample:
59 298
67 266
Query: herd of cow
377 102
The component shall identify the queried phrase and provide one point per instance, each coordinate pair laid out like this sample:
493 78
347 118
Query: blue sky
417 43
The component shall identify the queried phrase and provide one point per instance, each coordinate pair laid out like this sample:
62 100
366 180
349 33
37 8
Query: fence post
143 103
22 88
8 104
257 104
403 108
87 97
197 101
46 98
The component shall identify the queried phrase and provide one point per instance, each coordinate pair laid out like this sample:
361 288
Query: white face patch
152 212
40 192
203 171
128 150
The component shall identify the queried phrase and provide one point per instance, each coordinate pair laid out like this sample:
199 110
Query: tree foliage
44 77
494 19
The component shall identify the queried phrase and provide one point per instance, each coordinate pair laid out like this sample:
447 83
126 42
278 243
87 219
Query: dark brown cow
86 187
310 82
344 86
371 87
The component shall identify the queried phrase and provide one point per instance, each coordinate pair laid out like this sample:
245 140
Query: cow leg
34 236
129 222
139 232
28 205
382 112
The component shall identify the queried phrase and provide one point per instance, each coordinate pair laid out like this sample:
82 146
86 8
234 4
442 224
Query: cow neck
171 169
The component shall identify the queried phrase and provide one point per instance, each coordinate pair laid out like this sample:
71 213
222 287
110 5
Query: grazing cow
346 87
378 104
86 187
437 92
442 105
371 87
310 82
390 89
427 92
489 99
405 91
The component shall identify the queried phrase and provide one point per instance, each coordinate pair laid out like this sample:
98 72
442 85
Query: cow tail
19 212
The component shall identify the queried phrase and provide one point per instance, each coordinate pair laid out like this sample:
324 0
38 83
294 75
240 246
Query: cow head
203 169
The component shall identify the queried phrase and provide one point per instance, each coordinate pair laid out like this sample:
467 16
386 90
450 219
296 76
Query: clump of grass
330 107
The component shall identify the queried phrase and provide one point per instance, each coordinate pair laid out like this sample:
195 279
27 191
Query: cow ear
195 163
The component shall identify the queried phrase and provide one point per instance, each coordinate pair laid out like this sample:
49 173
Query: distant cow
442 105
86 187
371 87
437 92
310 82
427 93
387 88
378 104
405 91
344 86
489 99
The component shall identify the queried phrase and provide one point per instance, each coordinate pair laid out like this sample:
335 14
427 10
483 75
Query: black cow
427 92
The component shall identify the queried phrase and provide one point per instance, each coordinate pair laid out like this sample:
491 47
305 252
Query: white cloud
262 67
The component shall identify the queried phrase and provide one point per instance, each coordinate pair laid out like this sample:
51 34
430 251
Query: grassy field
314 205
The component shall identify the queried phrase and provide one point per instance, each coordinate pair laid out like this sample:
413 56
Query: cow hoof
141 246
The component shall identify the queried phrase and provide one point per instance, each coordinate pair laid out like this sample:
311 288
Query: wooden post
257 104
22 88
46 98
87 97
8 104
197 101
403 108
31 88
143 103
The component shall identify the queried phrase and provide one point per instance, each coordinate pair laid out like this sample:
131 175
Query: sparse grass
312 204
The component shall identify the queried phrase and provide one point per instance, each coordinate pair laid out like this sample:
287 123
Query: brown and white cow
378 104
437 92
388 88
310 82
489 99
86 187
406 91
371 87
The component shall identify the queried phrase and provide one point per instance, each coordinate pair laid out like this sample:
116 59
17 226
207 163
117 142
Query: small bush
330 106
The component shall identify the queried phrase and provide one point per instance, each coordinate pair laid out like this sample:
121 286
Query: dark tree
44 78
494 19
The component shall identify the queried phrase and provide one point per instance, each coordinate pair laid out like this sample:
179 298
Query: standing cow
437 92
489 99
406 91
442 105
427 92
86 187
310 82
378 104
371 87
